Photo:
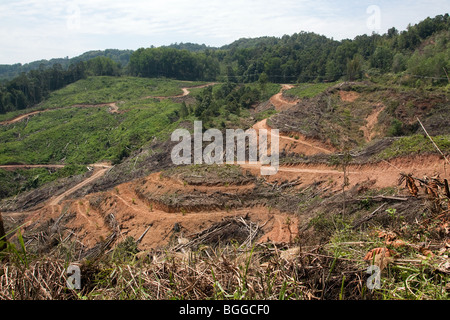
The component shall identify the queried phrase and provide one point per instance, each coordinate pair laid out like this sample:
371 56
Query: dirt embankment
348 96
279 102
369 128
169 208
296 142
384 173
99 170
162 207
163 204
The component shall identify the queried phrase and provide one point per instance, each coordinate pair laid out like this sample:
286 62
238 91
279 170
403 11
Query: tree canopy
422 50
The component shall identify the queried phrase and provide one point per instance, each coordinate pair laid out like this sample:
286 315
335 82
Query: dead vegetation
351 113
258 272
36 197
404 230
210 175
405 235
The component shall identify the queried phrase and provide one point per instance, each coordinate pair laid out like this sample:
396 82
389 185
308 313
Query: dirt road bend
99 170
298 144
281 103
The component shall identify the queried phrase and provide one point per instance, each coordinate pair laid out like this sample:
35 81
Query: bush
396 128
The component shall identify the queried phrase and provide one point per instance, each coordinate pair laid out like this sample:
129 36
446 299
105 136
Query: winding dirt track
113 108
383 174
185 92
300 145
99 170
135 215
279 102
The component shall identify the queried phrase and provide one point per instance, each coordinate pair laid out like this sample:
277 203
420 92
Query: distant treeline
8 72
422 50
31 88
174 63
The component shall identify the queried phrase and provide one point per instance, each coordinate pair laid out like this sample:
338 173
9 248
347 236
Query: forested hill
420 55
8 72
422 50
193 47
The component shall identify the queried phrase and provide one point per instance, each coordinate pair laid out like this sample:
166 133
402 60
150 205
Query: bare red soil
134 206
279 102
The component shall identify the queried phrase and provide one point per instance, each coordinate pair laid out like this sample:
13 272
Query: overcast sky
43 29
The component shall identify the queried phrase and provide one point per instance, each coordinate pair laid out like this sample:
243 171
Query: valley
196 206
87 178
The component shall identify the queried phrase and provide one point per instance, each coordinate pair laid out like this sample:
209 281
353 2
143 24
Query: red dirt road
134 215
113 108
383 174
99 170
279 102
185 90
301 145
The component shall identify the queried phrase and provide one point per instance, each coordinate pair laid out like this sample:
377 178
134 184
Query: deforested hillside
88 179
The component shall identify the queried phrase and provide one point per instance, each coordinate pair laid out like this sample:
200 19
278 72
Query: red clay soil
185 92
135 213
279 102
99 170
348 96
113 108
383 174
371 121
298 143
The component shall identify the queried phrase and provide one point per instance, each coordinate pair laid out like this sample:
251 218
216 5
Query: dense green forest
421 49
31 88
8 72
421 52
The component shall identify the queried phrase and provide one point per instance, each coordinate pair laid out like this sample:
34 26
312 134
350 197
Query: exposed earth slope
169 205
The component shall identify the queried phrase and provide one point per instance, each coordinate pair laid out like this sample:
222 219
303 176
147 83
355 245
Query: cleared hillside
87 178
324 208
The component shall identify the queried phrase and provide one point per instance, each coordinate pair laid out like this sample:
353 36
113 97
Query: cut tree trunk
2 235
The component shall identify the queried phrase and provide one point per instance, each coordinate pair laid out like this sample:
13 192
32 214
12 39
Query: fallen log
2 234
386 198
368 217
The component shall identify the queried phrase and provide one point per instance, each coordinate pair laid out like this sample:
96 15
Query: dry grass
224 262
41 280
260 272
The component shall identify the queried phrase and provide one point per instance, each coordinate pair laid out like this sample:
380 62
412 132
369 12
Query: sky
32 30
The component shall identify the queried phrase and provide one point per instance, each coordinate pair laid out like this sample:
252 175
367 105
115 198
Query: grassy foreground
329 260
